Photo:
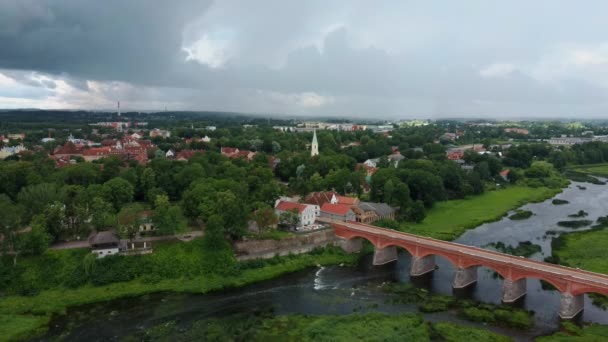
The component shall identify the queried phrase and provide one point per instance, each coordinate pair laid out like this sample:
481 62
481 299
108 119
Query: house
16 136
307 213
372 162
146 222
369 212
10 150
104 243
352 201
322 197
205 139
229 152
396 158
160 133
518 131
69 149
96 153
338 212
169 154
186 155
505 174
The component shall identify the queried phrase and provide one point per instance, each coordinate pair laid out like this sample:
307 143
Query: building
322 197
96 153
7 151
169 154
338 212
160 133
307 213
146 222
314 147
517 131
104 243
372 162
16 136
369 212
233 153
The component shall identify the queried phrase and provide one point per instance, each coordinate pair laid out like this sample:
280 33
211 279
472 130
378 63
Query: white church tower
314 148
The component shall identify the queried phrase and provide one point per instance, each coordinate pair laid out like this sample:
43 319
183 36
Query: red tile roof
289 206
346 200
320 198
336 209
97 151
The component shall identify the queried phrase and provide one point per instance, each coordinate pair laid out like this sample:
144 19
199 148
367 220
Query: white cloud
497 70
212 52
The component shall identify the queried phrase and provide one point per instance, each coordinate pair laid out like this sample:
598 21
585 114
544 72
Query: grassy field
592 169
448 220
586 250
22 317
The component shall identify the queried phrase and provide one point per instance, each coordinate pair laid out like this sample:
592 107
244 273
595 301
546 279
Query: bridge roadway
573 283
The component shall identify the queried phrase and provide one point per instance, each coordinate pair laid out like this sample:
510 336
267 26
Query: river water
344 290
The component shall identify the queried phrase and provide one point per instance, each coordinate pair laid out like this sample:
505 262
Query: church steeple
314 148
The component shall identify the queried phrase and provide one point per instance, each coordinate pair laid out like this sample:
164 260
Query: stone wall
300 243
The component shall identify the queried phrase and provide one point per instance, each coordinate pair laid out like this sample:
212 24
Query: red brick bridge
572 283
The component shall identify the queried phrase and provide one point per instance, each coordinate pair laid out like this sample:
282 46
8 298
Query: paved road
485 256
85 243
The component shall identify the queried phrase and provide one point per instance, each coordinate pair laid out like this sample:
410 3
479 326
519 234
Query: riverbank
353 327
22 317
448 220
591 169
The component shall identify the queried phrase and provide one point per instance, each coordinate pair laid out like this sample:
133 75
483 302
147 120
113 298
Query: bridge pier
422 265
384 255
464 277
571 306
353 245
513 290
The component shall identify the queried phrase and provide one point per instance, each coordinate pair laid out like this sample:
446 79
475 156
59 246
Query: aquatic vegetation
521 215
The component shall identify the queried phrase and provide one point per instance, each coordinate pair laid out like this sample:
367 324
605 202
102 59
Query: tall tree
168 219
9 226
118 192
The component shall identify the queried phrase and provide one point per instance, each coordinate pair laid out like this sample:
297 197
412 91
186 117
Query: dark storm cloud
133 40
315 57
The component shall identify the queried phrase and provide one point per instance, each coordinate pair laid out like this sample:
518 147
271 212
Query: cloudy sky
352 58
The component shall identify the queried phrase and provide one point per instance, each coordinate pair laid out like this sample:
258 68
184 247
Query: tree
230 208
129 220
416 212
102 214
54 216
168 219
264 217
117 191
9 226
36 197
218 256
37 240
147 182
290 218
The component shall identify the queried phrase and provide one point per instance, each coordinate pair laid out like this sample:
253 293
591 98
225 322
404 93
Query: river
344 290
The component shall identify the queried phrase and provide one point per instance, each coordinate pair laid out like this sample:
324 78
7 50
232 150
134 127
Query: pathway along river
343 290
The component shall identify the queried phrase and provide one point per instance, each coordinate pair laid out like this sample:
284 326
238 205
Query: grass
574 224
592 169
585 250
570 333
353 327
22 317
500 315
521 215
448 220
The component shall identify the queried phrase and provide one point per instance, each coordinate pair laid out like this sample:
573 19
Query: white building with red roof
307 212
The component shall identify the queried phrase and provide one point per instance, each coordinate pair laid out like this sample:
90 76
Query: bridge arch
587 290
